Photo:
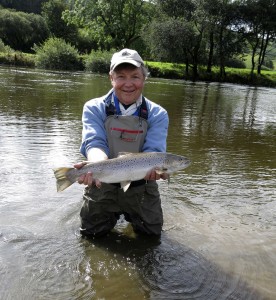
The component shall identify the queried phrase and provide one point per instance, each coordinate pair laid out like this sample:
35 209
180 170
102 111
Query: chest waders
140 204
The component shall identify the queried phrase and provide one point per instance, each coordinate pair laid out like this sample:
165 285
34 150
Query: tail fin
63 181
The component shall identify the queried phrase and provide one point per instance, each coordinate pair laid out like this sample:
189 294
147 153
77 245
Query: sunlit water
220 223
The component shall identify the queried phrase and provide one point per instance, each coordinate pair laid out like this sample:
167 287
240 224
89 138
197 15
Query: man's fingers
80 164
98 183
152 175
89 179
81 179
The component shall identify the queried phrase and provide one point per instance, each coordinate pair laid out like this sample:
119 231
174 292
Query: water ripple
177 272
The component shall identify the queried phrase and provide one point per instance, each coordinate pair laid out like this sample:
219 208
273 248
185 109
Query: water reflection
219 231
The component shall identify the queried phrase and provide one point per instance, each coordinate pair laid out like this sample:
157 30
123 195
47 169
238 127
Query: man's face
128 82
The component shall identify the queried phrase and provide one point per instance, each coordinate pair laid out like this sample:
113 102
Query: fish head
173 163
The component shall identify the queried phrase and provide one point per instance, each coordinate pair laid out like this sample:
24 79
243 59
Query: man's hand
152 175
87 179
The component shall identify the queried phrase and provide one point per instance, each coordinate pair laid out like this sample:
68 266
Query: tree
212 9
114 23
213 31
168 40
21 31
229 41
52 13
184 27
259 27
28 6
178 9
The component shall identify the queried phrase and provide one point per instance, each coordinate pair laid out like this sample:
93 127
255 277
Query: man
122 121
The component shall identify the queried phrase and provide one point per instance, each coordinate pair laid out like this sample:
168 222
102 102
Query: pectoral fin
160 170
125 185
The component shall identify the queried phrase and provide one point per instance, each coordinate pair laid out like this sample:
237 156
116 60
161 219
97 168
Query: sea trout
123 169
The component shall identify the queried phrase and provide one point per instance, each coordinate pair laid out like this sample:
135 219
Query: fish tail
63 181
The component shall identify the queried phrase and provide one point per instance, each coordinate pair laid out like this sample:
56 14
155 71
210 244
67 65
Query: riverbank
233 75
169 71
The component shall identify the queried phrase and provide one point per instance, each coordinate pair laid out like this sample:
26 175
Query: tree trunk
195 71
196 54
254 50
221 54
211 52
187 67
262 53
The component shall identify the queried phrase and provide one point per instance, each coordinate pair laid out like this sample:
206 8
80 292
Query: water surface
220 225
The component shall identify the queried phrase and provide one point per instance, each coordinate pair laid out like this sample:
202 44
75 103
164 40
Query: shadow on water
169 270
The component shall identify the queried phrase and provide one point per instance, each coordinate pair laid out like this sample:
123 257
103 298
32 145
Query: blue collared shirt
94 133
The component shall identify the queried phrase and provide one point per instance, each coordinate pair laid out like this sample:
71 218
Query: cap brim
126 61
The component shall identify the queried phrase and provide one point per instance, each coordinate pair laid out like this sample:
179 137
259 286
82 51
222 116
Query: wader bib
125 134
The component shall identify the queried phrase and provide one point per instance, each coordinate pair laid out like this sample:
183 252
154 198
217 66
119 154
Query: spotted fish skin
125 168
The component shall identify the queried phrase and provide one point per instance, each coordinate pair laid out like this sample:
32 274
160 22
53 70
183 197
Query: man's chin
128 100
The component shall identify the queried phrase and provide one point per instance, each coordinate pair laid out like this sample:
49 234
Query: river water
219 238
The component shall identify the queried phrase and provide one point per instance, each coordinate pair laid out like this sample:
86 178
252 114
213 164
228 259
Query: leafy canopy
114 23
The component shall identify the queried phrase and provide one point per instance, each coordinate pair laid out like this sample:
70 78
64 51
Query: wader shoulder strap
143 110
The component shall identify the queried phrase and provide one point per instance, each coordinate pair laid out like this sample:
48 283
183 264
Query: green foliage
56 54
259 21
268 64
161 37
4 48
20 30
33 6
233 75
114 24
178 9
98 61
52 13
16 58
235 63
165 70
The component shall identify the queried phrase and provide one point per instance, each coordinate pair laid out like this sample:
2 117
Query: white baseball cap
128 56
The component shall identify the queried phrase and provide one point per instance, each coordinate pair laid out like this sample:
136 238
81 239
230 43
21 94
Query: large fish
125 168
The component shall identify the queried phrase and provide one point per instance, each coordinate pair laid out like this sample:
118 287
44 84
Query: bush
56 54
16 58
268 64
98 61
21 31
166 70
235 63
4 48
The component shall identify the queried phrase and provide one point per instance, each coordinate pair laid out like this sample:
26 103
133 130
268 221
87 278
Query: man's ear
111 78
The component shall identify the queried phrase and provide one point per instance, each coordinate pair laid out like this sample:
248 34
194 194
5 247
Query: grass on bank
160 70
19 59
233 75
